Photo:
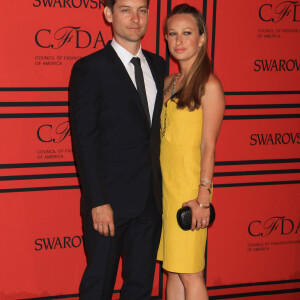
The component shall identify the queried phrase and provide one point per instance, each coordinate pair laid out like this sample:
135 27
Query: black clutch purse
184 217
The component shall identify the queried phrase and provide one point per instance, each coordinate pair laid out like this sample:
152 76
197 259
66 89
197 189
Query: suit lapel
121 71
156 76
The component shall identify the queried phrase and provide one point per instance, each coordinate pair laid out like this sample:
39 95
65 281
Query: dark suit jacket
116 152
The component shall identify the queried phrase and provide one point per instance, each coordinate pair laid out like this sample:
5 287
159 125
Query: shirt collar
125 55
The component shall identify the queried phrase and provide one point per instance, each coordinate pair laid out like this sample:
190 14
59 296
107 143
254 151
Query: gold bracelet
206 187
202 205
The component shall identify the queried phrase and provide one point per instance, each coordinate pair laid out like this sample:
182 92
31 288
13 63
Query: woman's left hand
200 215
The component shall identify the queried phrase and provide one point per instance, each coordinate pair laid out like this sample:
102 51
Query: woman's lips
179 50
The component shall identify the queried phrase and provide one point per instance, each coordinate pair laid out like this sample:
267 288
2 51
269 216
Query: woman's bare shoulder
213 91
213 84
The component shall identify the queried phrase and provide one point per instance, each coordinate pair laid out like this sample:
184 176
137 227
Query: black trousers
136 240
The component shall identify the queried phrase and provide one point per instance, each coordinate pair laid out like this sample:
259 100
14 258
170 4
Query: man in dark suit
115 104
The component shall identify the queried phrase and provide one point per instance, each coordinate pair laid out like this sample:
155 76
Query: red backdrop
253 244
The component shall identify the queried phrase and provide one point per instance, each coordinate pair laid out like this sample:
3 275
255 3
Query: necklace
173 84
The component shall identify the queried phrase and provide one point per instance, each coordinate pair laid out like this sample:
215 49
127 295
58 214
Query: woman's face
183 37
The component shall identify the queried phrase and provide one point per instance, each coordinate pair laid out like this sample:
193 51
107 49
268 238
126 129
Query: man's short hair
111 3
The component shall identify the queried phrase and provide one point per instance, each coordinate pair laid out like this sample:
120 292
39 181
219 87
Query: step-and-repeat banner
252 246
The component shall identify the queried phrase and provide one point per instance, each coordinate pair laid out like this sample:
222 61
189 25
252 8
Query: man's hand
103 219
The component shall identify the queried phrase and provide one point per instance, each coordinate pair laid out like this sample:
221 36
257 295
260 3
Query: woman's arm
213 106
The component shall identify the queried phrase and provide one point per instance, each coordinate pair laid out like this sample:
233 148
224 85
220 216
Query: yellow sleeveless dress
180 157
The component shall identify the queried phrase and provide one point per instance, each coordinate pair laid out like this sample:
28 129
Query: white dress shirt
150 85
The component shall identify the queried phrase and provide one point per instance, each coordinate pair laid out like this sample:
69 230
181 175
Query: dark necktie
140 84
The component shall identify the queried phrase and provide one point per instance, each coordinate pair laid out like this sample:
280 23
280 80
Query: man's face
129 20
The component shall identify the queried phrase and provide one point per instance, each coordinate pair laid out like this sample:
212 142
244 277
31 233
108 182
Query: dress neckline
172 99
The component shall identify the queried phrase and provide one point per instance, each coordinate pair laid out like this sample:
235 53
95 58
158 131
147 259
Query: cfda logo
48 133
281 225
278 11
67 35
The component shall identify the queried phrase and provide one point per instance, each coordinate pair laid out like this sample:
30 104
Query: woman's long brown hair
194 87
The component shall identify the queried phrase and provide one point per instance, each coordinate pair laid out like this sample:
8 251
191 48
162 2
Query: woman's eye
172 33
125 10
187 33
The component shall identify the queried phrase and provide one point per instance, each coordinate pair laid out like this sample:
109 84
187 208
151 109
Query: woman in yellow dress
190 123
